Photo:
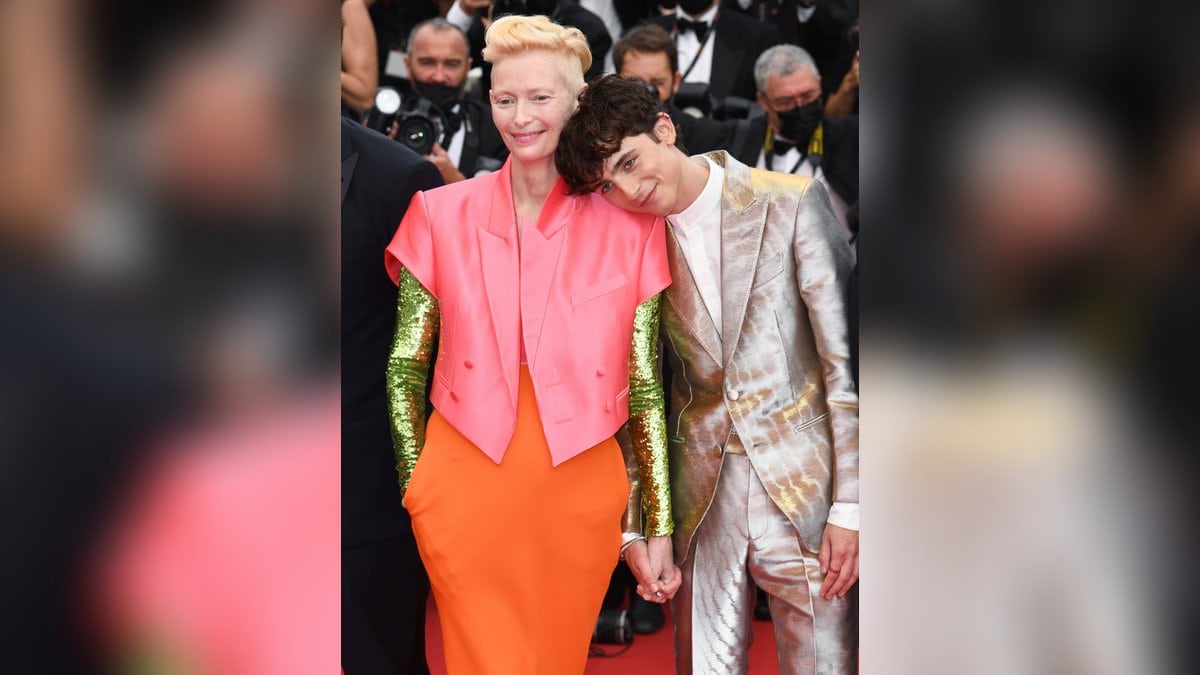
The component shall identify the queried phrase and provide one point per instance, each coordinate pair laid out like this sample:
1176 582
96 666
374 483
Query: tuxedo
481 140
565 13
737 41
839 162
767 399
383 583
825 35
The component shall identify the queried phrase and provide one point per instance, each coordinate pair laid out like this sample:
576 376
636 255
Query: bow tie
700 28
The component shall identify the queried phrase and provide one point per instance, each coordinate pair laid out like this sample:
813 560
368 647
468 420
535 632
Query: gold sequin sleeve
648 422
408 370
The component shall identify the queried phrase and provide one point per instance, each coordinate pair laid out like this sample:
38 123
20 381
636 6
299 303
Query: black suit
737 41
825 36
481 140
384 586
566 13
840 160
703 134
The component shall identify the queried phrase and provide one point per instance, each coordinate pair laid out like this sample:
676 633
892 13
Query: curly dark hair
611 108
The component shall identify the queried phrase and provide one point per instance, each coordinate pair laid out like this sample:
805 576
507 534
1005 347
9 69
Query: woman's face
531 101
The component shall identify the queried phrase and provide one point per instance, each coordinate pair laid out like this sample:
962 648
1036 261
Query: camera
419 124
614 627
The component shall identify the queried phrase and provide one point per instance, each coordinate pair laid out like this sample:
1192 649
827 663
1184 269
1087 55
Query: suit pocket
598 289
767 270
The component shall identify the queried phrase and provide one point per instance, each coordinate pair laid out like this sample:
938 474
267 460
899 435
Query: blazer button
734 394
468 365
718 451
599 372
608 406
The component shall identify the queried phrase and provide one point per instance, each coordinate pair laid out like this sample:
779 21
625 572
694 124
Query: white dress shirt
688 44
698 229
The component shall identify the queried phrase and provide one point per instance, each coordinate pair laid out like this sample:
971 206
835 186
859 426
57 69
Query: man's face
788 92
438 57
653 68
643 176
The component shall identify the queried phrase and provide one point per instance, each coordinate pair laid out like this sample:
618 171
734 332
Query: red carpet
649 654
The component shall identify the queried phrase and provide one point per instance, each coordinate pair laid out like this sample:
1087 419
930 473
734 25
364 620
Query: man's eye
604 187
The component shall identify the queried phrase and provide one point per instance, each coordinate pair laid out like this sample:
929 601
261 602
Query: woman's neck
531 184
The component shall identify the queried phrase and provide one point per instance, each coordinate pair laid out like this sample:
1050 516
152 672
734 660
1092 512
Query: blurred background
168 387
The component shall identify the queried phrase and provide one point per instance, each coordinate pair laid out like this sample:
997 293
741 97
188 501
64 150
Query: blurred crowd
774 82
168 232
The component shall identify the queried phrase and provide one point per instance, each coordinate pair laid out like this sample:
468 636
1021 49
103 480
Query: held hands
839 561
654 567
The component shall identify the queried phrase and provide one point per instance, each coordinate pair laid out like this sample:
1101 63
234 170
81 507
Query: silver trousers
745 538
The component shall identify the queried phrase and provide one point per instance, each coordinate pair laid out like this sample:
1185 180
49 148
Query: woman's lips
526 138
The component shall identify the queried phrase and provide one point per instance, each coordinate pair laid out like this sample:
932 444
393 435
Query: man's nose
628 186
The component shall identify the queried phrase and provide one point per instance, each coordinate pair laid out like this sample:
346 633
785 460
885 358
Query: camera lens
418 133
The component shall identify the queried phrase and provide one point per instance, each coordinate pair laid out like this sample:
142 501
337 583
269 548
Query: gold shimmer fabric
407 371
647 421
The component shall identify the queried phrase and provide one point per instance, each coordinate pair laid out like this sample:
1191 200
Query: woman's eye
628 164
604 187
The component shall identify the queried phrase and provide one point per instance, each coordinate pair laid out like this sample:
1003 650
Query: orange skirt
519 554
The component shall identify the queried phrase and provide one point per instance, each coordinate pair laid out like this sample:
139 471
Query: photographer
799 139
717 47
648 53
437 63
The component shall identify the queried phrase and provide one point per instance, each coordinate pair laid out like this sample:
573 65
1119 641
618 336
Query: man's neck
693 176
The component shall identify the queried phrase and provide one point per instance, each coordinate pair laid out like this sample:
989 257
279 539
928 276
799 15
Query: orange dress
519 553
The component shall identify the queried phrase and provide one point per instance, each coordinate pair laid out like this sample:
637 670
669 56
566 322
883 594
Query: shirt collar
701 210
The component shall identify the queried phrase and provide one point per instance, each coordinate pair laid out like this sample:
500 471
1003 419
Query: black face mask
798 124
443 96
695 7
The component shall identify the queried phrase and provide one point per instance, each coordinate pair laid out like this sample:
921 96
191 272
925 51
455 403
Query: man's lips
648 197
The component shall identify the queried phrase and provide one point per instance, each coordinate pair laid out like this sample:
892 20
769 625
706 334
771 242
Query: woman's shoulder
471 189
613 215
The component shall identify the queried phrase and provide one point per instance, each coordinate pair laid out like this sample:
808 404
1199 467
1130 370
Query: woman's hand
654 567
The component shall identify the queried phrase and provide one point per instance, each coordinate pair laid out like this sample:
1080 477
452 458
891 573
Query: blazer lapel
349 160
499 275
743 219
540 251
684 295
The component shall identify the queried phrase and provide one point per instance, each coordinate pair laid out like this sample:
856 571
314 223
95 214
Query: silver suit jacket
779 383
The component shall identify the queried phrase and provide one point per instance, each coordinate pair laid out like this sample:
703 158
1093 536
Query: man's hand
441 159
839 561
652 564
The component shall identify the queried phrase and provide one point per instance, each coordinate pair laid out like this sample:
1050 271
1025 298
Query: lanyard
712 28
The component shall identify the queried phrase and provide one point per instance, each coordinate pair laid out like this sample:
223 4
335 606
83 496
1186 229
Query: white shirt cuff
844 514
458 17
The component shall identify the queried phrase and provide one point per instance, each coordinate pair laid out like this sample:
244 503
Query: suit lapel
684 296
743 219
499 275
349 160
540 251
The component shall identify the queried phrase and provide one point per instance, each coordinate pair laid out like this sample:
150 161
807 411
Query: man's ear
664 128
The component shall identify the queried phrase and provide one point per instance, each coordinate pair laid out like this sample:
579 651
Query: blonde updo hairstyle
514 34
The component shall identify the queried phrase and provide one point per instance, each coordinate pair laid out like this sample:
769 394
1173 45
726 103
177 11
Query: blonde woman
545 309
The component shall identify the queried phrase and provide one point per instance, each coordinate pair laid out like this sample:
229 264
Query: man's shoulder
376 149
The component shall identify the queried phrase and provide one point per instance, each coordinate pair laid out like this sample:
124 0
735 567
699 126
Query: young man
763 413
